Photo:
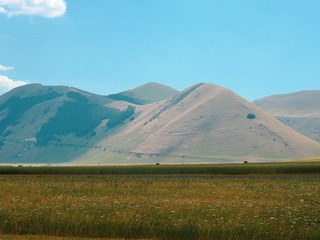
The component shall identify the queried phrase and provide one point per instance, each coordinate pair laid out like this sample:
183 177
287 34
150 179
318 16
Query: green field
159 208
210 169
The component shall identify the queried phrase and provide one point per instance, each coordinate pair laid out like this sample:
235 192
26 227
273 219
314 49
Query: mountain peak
206 122
147 93
152 84
203 123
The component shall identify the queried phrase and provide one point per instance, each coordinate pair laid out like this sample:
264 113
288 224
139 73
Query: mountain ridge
179 129
147 93
299 110
204 123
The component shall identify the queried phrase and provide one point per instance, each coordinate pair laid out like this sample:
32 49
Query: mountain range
152 123
300 111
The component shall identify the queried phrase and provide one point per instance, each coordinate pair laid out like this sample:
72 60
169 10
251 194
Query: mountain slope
54 124
144 94
300 110
204 123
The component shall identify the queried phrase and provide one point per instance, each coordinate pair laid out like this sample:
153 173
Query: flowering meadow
160 208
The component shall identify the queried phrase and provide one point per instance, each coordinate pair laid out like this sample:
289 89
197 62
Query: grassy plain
160 208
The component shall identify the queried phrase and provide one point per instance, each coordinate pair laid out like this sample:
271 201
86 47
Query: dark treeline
218 169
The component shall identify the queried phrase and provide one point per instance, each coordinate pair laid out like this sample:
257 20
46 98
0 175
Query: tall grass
161 208
217 169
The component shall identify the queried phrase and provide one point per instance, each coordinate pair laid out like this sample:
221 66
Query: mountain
204 123
300 110
144 94
54 123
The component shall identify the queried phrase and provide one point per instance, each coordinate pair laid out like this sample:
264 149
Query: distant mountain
147 93
54 123
300 110
204 123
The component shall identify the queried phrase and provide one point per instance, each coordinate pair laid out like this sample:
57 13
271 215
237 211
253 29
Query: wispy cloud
4 68
6 84
44 8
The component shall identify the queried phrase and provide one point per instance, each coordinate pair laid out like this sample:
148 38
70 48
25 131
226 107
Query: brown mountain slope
204 123
300 110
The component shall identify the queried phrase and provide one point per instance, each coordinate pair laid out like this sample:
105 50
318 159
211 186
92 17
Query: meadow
159 208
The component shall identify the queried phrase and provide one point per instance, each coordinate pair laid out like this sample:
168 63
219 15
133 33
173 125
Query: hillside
54 123
300 110
204 123
144 94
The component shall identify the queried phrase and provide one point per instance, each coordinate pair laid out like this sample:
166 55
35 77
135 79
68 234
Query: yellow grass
174 208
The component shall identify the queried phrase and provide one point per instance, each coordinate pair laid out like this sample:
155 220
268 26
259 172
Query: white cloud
44 8
4 68
6 84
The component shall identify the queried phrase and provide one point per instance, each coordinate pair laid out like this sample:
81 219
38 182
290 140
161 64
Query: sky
255 48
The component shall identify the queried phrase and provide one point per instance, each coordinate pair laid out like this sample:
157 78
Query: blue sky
255 48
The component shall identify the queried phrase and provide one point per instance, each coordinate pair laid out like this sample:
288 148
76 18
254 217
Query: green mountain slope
204 123
147 93
300 110
53 124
